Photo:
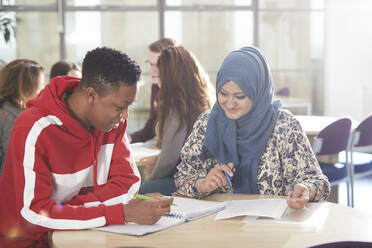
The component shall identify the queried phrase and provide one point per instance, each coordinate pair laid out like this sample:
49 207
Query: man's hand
146 211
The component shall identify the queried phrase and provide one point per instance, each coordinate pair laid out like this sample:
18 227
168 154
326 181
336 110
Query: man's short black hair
105 68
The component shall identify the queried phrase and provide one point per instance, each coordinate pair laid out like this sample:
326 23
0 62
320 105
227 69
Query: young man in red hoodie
68 165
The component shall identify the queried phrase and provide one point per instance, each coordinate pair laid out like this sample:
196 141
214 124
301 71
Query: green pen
145 197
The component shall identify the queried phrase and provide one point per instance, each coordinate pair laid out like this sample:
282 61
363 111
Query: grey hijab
243 141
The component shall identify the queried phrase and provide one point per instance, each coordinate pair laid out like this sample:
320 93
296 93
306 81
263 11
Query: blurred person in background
20 81
148 131
185 93
64 68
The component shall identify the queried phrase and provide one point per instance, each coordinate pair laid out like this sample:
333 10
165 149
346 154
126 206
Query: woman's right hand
214 179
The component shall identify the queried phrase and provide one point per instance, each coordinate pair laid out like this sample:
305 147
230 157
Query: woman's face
154 70
233 101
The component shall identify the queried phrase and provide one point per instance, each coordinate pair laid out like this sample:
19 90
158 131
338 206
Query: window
289 32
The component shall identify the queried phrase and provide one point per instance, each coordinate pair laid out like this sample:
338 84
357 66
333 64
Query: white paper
144 149
309 218
193 209
273 208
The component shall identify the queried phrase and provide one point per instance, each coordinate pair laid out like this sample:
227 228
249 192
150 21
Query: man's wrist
125 213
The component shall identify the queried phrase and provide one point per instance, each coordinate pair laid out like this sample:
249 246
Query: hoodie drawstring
95 163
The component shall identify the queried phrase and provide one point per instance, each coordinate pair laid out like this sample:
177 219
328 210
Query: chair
282 92
331 140
344 244
360 162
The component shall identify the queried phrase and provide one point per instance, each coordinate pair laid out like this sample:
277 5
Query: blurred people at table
65 68
20 81
148 131
185 93
247 136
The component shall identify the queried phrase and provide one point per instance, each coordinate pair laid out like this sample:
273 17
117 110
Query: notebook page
273 208
193 208
139 230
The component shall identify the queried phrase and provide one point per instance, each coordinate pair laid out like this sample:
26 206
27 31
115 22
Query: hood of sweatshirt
51 101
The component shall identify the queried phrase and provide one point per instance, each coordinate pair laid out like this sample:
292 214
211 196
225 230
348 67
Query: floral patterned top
287 160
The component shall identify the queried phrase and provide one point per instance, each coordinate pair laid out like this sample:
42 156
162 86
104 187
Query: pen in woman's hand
227 177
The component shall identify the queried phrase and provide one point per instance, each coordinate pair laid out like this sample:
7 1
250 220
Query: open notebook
187 209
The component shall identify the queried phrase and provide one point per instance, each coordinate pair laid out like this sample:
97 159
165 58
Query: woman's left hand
300 196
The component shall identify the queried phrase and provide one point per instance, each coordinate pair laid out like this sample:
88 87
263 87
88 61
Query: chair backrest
363 133
282 92
333 138
344 244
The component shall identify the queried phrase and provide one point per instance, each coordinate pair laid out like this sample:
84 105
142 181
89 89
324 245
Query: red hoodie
59 176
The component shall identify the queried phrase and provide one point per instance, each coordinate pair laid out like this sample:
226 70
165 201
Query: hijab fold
243 141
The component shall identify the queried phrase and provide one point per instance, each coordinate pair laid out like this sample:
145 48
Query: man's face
154 70
108 110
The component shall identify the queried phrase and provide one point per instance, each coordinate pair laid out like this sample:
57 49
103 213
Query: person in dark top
20 81
65 68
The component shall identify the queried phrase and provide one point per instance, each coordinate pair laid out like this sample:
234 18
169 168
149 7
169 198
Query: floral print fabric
287 160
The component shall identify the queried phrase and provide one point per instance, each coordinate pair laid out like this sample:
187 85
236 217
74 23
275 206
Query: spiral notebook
187 209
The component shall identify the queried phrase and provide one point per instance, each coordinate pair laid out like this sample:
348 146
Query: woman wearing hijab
248 138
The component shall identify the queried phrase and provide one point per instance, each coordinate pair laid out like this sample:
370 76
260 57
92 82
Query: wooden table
340 223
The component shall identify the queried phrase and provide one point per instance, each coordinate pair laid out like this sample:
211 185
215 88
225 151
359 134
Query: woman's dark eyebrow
239 93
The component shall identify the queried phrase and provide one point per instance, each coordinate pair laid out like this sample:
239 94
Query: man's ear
91 94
